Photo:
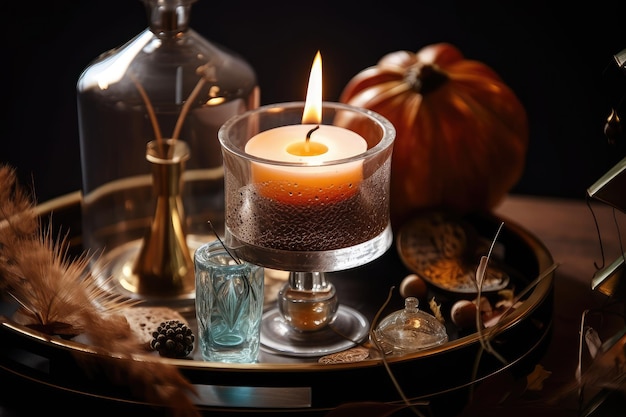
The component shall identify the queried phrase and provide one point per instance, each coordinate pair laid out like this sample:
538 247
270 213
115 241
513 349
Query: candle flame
313 104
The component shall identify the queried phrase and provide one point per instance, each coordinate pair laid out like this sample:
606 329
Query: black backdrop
553 57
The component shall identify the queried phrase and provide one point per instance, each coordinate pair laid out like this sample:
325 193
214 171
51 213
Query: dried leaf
534 380
436 309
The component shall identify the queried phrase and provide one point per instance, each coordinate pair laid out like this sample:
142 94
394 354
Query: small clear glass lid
410 329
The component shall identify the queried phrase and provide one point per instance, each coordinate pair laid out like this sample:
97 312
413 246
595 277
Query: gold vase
164 266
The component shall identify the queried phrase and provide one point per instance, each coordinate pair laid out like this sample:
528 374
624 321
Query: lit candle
312 145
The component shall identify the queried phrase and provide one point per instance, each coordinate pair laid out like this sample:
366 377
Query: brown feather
57 296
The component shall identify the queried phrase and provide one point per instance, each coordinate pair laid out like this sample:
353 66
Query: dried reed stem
151 112
186 107
204 71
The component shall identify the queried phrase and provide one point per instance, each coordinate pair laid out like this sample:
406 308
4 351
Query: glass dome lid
410 329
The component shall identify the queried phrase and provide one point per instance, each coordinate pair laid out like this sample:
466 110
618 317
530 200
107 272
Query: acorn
173 339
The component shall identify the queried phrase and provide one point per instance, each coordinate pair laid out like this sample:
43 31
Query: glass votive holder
229 305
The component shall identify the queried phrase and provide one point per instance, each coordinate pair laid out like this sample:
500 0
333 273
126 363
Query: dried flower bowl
284 384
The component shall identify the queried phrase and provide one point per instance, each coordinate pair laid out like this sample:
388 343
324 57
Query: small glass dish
445 250
409 330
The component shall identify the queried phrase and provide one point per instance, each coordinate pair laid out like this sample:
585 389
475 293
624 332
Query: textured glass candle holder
229 305
310 225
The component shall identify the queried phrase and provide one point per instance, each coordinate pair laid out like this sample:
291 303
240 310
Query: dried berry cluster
173 339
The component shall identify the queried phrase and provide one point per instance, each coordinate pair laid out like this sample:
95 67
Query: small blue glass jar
229 305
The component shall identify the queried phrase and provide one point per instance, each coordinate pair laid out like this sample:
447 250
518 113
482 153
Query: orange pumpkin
461 133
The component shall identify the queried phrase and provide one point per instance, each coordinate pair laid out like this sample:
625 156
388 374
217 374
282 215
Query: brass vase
164 266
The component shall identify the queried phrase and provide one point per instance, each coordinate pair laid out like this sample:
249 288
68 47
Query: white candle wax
312 182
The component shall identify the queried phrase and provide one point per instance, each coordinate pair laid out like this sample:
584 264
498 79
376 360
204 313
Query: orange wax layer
314 187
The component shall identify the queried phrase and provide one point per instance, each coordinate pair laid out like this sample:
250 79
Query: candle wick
308 135
307 146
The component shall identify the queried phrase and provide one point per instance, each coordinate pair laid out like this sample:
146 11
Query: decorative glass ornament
410 329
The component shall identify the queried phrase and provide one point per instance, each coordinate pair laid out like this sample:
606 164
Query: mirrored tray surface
281 383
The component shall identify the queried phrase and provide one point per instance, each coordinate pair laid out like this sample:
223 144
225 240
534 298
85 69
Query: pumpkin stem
425 78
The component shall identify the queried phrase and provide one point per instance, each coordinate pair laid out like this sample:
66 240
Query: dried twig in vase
206 73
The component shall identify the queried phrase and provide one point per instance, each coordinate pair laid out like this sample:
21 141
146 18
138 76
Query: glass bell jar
169 83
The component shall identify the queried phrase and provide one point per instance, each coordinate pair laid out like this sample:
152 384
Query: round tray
283 384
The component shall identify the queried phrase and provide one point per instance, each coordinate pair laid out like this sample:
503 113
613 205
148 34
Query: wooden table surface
569 231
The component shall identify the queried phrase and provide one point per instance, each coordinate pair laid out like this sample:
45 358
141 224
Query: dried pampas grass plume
56 297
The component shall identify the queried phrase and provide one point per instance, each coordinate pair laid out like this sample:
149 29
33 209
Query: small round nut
413 286
463 314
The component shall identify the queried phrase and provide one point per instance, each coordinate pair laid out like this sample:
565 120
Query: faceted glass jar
171 82
229 305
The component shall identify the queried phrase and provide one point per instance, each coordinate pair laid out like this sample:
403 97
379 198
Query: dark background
554 57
